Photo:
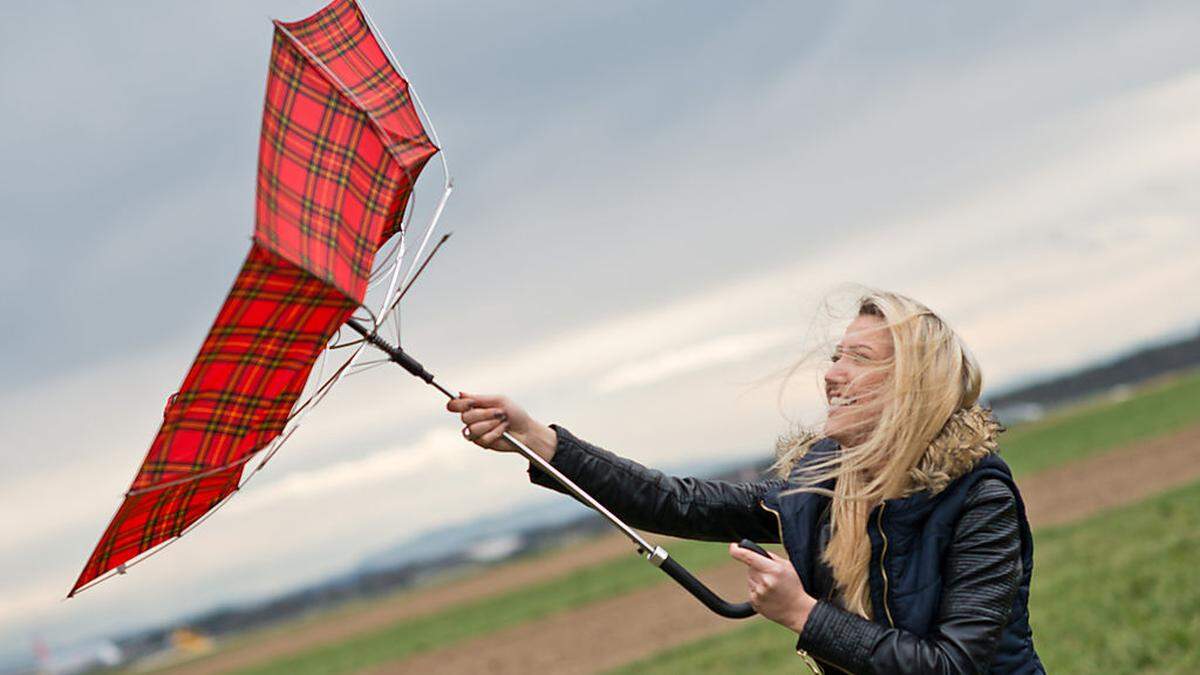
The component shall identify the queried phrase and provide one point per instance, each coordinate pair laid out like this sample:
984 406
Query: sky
651 201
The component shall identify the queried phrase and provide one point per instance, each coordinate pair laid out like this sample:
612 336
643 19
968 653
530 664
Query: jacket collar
969 435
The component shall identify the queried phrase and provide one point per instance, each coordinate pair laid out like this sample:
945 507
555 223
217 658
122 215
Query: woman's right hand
485 419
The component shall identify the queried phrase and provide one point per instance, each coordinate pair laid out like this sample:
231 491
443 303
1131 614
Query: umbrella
341 148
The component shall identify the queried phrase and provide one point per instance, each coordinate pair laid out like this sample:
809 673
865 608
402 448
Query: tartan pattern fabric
338 37
235 399
341 149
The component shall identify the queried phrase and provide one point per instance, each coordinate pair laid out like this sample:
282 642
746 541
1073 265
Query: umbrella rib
270 453
437 214
147 554
387 49
420 269
189 478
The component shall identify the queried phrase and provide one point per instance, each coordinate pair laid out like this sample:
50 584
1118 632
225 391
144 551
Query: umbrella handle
704 594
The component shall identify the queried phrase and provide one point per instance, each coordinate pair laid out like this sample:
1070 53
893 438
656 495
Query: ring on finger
466 432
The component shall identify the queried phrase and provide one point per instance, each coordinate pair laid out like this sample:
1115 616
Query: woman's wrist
542 440
799 618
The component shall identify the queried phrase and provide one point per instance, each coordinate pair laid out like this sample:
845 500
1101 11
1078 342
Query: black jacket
956 607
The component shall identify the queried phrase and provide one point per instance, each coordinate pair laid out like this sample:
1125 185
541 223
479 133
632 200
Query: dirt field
591 638
342 624
616 631
1077 490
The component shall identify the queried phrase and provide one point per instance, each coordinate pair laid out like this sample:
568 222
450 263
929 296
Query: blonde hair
930 376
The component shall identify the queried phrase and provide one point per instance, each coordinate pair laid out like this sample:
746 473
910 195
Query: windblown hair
926 399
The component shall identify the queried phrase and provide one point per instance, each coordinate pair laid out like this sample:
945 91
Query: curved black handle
751 546
704 594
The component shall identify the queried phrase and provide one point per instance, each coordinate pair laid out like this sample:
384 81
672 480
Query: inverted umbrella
341 149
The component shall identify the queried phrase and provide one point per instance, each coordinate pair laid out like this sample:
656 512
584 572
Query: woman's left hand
775 589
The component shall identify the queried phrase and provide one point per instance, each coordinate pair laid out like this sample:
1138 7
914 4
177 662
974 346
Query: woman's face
853 380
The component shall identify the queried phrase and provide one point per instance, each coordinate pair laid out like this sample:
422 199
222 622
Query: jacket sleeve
650 500
980 578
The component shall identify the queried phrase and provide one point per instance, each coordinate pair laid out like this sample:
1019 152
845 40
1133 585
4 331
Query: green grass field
1063 437
1118 593
1092 428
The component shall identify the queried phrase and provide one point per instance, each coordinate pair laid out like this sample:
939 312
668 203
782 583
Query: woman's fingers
478 429
753 560
469 401
471 404
489 400
480 414
492 439
460 404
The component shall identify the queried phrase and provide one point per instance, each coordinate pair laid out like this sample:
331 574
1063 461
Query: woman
908 547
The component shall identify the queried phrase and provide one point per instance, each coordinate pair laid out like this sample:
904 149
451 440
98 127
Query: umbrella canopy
341 149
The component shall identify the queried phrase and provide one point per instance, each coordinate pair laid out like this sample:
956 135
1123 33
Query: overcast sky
652 198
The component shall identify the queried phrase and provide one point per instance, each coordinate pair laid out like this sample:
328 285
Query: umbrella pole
655 555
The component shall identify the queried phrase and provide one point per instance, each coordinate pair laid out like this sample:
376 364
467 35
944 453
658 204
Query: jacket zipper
778 519
820 523
882 567
804 655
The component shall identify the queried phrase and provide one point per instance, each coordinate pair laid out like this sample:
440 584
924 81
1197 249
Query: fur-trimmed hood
967 437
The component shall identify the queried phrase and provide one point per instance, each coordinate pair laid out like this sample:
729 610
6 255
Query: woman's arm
646 499
980 578
694 508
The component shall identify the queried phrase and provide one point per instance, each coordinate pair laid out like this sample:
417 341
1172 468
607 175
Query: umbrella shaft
643 547
410 364
397 355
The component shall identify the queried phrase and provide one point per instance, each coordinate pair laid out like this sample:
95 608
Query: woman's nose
835 375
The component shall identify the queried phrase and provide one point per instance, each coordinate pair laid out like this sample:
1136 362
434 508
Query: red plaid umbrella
341 149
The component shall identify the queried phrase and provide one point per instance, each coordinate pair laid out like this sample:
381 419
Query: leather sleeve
980 578
650 500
